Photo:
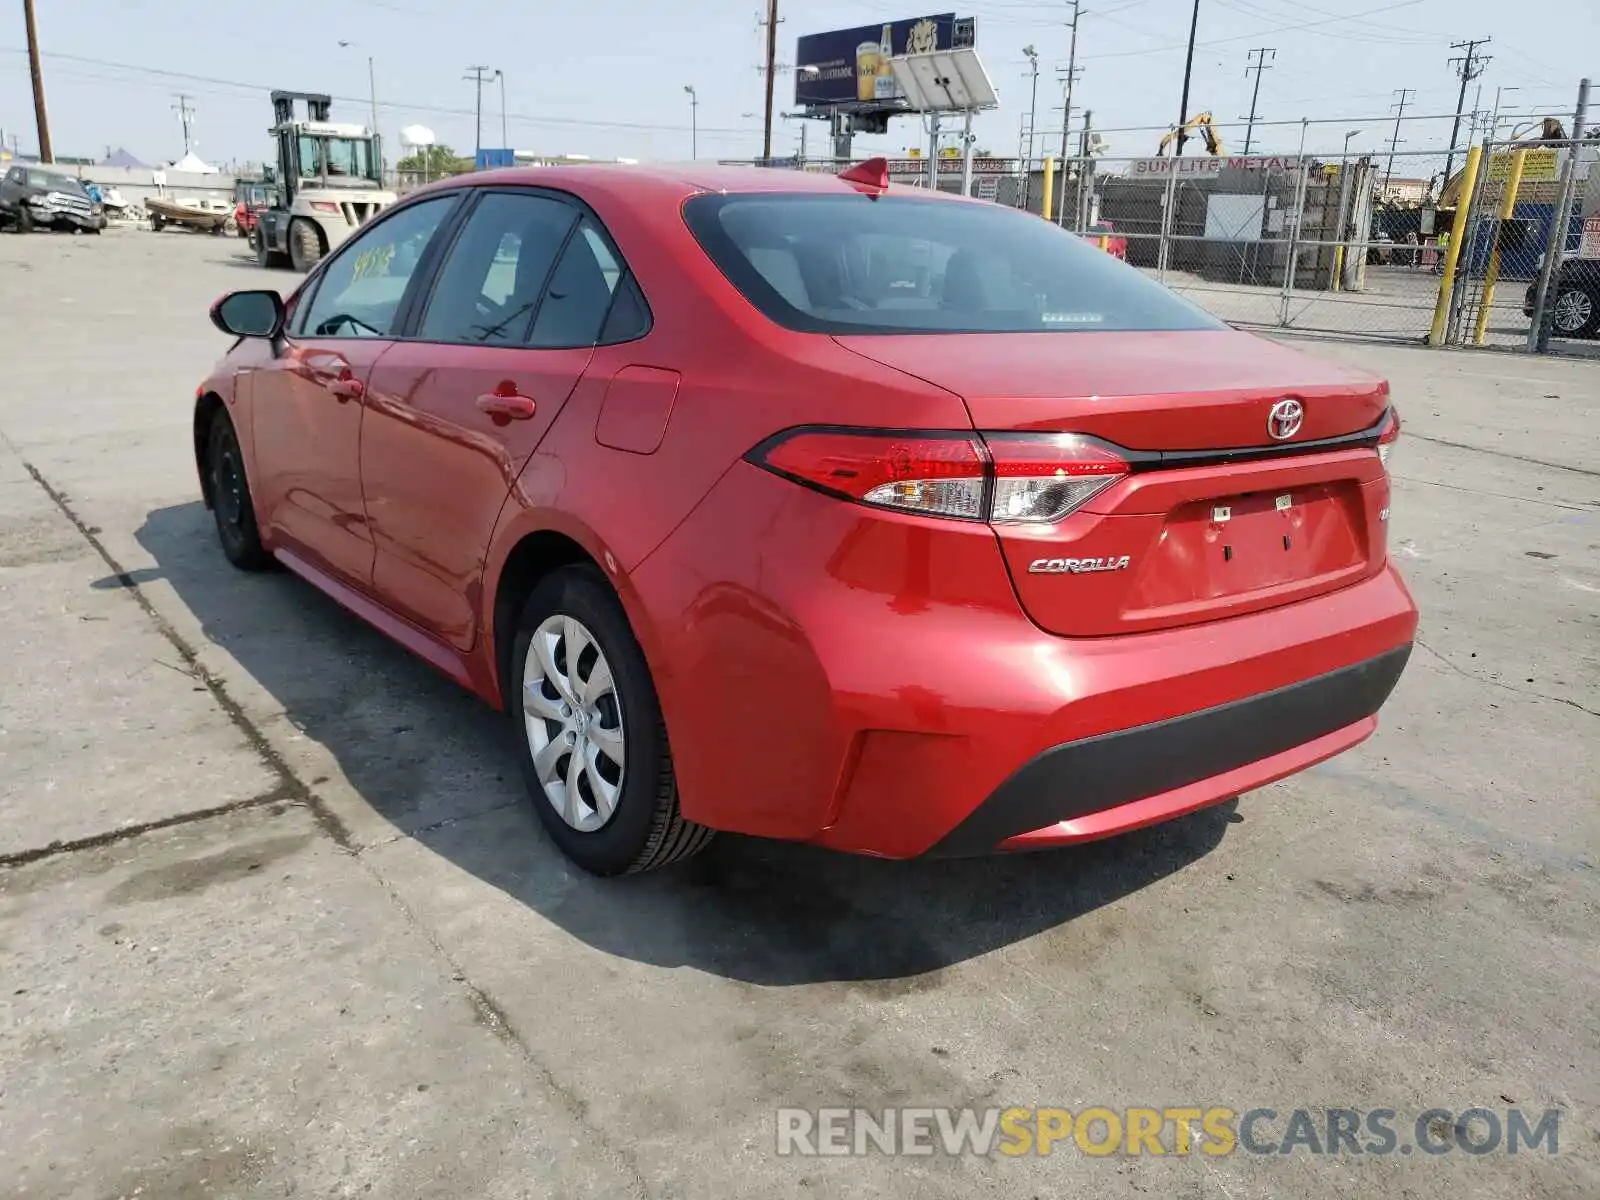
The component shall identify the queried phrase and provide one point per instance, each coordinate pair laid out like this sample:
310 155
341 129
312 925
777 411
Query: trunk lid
1219 517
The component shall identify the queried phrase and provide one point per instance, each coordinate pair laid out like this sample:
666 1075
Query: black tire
1576 295
24 222
305 245
270 259
157 222
231 503
646 829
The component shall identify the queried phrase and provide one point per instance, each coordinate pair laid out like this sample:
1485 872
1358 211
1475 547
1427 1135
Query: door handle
503 408
347 389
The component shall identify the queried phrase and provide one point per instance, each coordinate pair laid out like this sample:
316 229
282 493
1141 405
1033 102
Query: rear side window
492 279
578 301
855 264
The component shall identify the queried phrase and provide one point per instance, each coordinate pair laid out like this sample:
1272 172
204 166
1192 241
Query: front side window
491 282
360 291
896 264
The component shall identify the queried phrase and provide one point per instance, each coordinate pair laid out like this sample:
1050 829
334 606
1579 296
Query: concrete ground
277 919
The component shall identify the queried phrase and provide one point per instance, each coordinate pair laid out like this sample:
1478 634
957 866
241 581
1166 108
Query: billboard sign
849 69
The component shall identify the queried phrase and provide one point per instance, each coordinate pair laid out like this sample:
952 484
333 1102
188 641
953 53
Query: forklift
330 183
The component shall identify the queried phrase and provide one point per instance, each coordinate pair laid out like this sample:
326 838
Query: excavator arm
1200 122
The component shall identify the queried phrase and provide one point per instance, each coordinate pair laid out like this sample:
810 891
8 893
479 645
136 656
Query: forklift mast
318 106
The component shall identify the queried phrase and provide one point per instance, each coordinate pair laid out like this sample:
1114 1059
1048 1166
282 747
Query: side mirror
257 314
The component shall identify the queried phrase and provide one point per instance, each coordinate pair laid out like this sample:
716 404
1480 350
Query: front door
455 411
306 410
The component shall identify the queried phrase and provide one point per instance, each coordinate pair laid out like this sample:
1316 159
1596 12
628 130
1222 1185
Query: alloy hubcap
1573 310
573 719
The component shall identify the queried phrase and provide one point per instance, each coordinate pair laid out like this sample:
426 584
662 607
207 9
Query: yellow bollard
1508 206
1045 206
1104 241
1452 253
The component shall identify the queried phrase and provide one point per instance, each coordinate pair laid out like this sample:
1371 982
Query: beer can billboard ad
850 68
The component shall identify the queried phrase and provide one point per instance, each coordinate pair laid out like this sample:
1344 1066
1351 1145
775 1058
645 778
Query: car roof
684 179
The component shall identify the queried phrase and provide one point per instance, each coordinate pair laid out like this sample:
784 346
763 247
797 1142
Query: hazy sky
606 78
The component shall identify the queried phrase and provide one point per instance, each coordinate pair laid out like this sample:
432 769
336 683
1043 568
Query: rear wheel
266 256
1576 313
591 740
230 498
305 245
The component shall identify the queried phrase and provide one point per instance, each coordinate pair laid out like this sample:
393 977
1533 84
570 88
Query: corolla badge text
1077 566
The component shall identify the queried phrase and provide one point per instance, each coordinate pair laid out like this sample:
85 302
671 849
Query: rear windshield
900 264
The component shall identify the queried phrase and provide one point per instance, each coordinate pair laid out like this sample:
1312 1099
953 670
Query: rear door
455 409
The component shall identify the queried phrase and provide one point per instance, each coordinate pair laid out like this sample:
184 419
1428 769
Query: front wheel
591 740
1576 313
231 505
305 245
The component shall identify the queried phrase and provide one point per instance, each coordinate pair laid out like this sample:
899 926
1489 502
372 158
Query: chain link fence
1358 245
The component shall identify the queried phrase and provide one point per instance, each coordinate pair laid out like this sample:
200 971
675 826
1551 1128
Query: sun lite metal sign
1148 168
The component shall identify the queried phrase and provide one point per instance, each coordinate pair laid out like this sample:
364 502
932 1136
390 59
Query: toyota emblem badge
1283 422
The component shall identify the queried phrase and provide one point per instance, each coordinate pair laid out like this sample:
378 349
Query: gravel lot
276 919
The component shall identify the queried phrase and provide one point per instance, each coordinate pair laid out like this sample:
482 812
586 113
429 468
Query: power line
239 87
1260 53
1469 66
1244 37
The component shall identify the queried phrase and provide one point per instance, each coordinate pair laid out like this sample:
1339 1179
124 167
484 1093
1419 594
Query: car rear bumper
1099 786
870 683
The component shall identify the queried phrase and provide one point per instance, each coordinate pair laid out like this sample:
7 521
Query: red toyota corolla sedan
812 508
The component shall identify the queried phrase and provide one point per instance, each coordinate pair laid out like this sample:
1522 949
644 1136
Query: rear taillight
1389 436
1043 477
941 475
1005 478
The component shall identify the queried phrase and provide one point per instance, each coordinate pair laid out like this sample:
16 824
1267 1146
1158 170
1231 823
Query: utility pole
1471 65
1260 65
477 75
185 116
1188 70
1399 106
772 70
1072 72
45 153
694 121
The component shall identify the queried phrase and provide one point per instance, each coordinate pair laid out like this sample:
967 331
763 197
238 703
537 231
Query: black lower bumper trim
1097 773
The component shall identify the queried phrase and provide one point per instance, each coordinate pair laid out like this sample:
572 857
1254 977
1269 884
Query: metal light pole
694 121
1033 108
372 92
1494 121
505 138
